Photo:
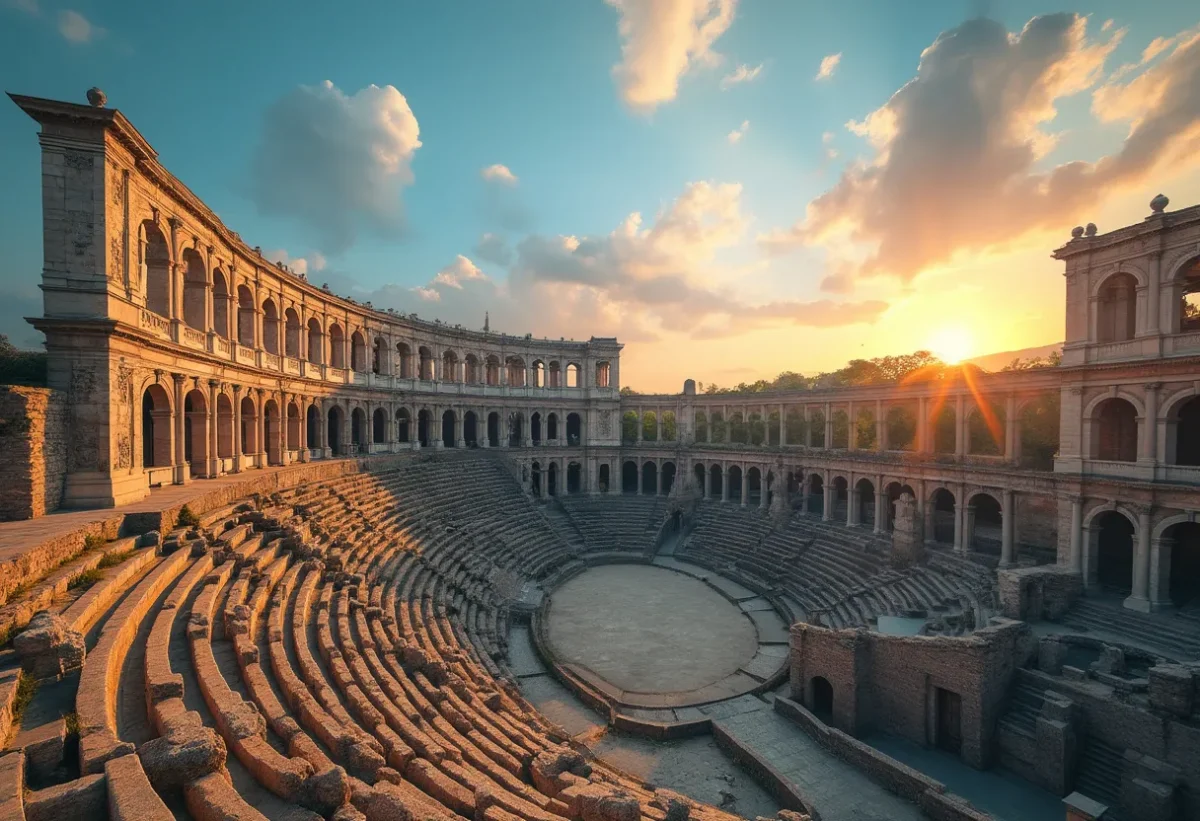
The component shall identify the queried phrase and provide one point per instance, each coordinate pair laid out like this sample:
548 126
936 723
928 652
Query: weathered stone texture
33 451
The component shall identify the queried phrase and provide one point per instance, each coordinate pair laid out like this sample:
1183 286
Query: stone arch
404 364
450 366
249 431
754 485
573 375
820 697
1113 428
816 493
667 478
864 431
735 478
516 429
492 370
195 431
493 429
715 482
574 429
574 478
602 479
293 427
379 425
225 441
358 430
554 376
1113 534
535 427
864 492
900 422
629 426
515 367
700 474
358 352
157 440
552 432
1180 562
316 342
1116 307
245 316
272 430
603 375
471 370
650 478
1038 419
449 436
985 429
471 429
649 426
403 425
291 333
985 516
221 298
839 486
336 422
156 268
535 479
424 363
943 508
270 331
552 479
424 427
337 346
312 426
379 355
539 373
195 290
1185 280
1181 425
629 476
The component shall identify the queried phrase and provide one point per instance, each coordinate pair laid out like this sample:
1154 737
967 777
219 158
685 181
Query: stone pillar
880 506
303 403
1160 572
828 427
1148 445
214 459
923 436
960 428
237 428
180 473
881 443
908 542
762 488
851 504
1153 306
638 413
1075 558
959 512
851 428
639 475
260 426
1006 528
1012 447
1139 598
827 493
745 483
704 484
782 426
724 483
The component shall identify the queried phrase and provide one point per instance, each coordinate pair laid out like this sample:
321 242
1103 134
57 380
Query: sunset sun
952 344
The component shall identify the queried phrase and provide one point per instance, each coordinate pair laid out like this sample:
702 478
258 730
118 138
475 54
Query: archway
535 428
272 430
716 428
735 483
574 429
816 493
424 422
816 429
156 262
944 511
755 489
629 477
291 333
552 479
245 312
336 421
901 425
1037 426
378 355
470 429
516 430
841 430
358 352
379 426
224 427
535 479
1184 423
358 430
1115 431
945 436
313 427
424 363
668 478
221 299
1114 551
985 430
337 346
894 491
865 491
404 368
714 483
1183 578
195 432
270 327
450 366
602 479
650 478
841 498
250 444
315 342
448 438
156 428
403 421
822 697
698 471
552 427
1116 309
493 430
629 427
574 474
987 521
195 291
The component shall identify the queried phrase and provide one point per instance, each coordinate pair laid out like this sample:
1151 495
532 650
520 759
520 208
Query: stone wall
33 451
1037 593
891 683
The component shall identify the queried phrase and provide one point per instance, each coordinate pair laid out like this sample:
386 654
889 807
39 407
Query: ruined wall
1037 593
890 683
33 451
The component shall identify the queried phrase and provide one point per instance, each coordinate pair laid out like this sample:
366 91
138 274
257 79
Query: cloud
662 41
28 6
337 163
829 64
734 137
742 74
311 263
641 281
957 148
73 26
493 248
499 174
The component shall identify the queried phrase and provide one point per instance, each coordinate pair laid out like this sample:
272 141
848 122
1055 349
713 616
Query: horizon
647 179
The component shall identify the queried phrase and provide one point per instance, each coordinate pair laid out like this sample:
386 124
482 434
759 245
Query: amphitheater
273 553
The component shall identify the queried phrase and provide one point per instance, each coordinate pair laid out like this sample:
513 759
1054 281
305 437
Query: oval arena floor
331 642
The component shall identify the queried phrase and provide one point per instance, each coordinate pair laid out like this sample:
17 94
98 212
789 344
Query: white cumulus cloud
337 162
73 26
742 74
500 174
829 64
734 137
662 40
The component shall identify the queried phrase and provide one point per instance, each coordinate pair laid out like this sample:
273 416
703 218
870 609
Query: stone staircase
1177 637
1099 775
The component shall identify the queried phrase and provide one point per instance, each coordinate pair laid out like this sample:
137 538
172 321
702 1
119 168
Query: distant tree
18 367
628 391
1051 360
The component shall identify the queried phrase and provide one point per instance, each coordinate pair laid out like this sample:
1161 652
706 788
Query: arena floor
649 630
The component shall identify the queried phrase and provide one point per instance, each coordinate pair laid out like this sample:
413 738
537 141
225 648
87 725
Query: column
1152 301
880 506
1007 513
923 436
1075 559
658 424
828 427
303 404
960 427
1139 598
881 443
762 488
724 482
214 460
851 428
1148 446
459 439
638 413
639 475
827 498
807 428
704 483
1012 448
237 428
782 426
180 474
260 423
959 513
851 503
745 481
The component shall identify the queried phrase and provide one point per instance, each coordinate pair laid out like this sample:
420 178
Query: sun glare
952 344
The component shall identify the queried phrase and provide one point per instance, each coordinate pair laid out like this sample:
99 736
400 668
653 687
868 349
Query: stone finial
1077 232
1159 204
1090 230
96 98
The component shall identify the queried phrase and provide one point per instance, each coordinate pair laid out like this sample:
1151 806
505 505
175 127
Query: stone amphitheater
272 553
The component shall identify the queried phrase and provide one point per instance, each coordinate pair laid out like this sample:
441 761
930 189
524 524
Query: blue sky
730 273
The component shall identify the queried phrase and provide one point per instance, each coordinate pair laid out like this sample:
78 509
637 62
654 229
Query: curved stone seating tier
610 523
837 576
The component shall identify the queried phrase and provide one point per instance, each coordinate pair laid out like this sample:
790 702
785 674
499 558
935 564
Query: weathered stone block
1172 689
48 647
1051 654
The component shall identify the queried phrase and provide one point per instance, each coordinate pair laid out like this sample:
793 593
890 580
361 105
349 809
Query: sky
732 188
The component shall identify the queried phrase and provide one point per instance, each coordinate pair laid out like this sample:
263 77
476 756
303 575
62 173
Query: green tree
18 367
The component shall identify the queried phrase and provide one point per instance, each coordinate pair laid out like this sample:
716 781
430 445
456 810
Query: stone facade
33 451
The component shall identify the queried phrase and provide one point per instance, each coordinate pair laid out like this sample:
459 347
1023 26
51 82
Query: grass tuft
115 558
85 579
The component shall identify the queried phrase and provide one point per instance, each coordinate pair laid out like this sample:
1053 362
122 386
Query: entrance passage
822 698
949 721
